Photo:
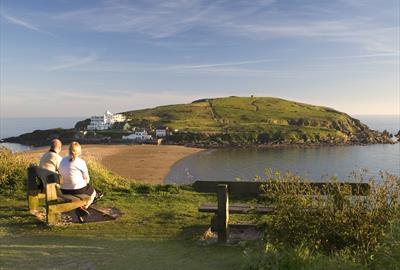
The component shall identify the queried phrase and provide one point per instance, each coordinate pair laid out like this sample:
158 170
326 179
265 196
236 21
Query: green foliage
387 255
143 188
331 220
299 258
13 173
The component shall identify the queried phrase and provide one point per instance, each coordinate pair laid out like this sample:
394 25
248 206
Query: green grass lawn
156 231
160 228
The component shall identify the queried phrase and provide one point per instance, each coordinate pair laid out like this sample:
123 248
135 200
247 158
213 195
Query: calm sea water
231 164
10 127
313 163
16 126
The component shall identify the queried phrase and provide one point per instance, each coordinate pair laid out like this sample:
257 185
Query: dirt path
147 163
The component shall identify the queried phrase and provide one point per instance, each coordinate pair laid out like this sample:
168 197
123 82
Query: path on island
145 163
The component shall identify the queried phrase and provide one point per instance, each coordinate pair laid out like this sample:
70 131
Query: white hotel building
105 121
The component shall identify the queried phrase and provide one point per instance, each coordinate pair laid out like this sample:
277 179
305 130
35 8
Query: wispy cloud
23 23
70 62
229 64
360 56
251 19
160 19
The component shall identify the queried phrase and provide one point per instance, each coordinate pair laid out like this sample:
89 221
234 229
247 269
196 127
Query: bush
388 254
13 172
143 188
169 188
334 222
289 258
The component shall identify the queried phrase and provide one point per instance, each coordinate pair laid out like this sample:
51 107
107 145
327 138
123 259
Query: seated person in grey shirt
51 159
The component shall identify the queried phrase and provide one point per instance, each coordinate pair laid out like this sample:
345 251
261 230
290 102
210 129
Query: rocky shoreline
43 137
283 145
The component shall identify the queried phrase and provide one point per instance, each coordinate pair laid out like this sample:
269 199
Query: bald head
55 145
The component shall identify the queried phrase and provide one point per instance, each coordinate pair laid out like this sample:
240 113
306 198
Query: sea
317 163
10 127
346 163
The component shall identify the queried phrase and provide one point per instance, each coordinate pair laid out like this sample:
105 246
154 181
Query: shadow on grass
193 232
18 220
43 252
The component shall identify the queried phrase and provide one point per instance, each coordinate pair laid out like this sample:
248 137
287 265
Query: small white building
138 136
161 132
105 121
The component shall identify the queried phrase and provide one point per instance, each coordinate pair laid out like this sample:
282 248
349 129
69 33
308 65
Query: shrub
169 188
289 258
388 254
333 222
144 188
13 171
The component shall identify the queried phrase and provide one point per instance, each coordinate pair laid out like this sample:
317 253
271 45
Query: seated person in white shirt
76 177
51 159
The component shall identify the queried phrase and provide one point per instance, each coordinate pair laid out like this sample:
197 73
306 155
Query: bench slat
68 198
237 208
233 208
243 187
82 196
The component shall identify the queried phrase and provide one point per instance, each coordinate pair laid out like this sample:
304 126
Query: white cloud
23 23
240 63
70 62
251 19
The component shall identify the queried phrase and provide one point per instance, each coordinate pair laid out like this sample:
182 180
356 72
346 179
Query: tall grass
310 225
12 171
387 256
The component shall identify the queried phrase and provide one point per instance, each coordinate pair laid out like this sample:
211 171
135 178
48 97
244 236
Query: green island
229 122
160 228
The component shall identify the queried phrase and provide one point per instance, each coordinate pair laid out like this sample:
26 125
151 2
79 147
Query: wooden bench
219 222
44 185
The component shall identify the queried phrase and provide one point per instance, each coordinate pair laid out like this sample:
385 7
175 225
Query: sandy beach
144 163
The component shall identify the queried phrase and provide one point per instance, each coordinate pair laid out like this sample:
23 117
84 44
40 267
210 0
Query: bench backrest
43 181
243 187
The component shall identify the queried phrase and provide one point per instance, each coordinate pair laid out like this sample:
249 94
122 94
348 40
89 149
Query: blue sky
79 58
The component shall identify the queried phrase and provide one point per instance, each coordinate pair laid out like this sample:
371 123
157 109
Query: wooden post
33 203
53 215
32 190
223 213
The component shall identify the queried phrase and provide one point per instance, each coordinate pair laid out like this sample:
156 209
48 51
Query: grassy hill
264 118
232 121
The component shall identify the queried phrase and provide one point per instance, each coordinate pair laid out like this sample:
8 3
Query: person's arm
85 172
58 161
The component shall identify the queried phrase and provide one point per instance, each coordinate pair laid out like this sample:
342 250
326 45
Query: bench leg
223 213
33 203
53 215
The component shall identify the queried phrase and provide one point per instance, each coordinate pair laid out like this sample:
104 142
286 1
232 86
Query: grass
246 114
155 231
160 228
